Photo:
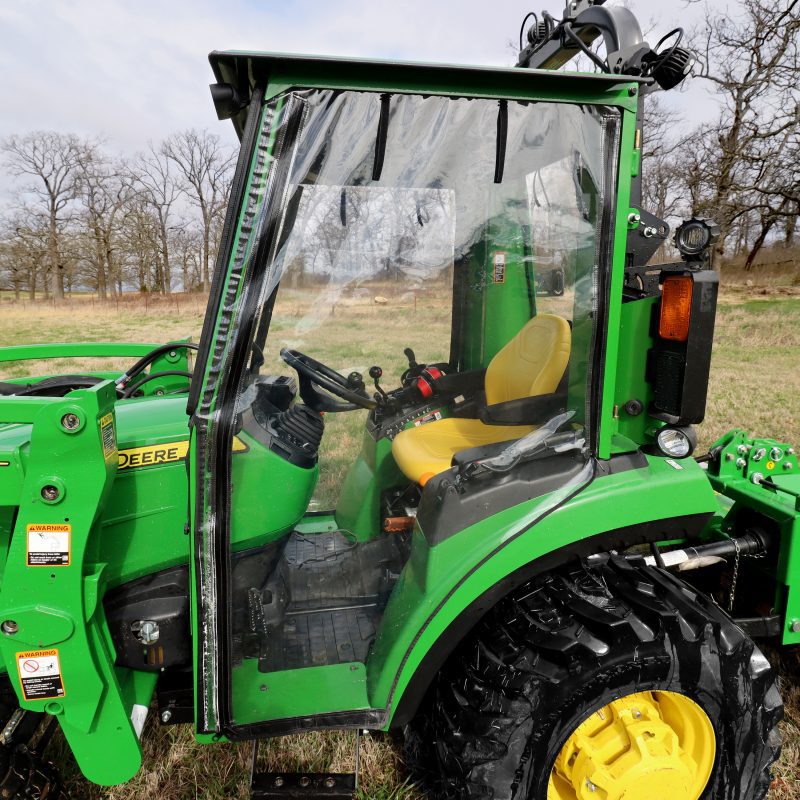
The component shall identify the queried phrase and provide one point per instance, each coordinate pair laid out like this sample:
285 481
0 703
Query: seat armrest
525 411
464 457
466 383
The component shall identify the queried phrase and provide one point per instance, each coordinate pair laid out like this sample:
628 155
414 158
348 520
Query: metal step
309 786
304 785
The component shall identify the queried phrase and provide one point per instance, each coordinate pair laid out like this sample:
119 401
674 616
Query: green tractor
505 551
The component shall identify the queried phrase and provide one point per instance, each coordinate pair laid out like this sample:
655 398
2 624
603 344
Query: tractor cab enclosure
389 364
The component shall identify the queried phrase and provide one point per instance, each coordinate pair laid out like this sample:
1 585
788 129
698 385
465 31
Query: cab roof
247 70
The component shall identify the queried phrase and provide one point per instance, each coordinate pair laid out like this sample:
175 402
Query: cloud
134 72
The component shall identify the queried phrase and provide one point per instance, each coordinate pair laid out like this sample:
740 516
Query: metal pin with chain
735 575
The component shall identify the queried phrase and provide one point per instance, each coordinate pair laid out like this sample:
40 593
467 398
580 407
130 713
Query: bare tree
158 188
752 61
206 168
52 161
25 252
105 190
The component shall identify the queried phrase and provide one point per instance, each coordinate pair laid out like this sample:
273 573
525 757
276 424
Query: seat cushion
532 363
429 449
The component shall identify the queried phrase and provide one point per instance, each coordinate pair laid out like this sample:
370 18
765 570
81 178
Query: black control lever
376 373
414 369
356 381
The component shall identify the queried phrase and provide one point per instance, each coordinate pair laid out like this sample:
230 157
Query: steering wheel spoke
320 385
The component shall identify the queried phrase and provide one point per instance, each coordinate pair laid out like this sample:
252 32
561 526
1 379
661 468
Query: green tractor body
271 554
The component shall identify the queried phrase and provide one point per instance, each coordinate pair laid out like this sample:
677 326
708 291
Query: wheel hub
644 746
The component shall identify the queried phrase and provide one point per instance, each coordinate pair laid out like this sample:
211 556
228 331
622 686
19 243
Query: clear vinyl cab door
409 304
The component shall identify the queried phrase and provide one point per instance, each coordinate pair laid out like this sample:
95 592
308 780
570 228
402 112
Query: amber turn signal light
676 308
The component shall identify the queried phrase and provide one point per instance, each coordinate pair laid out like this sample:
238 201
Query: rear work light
676 308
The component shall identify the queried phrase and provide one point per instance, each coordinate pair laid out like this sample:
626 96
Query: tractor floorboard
324 600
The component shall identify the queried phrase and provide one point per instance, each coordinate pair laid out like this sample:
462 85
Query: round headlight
694 237
676 442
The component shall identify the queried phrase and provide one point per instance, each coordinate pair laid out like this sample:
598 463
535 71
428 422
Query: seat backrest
532 363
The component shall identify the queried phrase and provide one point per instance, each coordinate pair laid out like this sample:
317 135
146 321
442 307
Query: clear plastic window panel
400 233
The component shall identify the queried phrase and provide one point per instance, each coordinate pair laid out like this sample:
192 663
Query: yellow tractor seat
531 364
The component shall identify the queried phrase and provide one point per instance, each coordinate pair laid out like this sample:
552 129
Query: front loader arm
54 640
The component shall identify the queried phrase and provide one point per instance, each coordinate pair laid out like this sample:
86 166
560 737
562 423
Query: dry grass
755 384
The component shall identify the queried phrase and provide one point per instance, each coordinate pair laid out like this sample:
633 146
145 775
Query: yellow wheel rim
644 746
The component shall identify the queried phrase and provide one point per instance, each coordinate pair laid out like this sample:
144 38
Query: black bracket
769 627
304 785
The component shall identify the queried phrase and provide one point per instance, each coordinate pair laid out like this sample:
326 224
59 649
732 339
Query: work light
694 237
677 442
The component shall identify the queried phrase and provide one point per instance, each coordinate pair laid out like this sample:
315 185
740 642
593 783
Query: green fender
445 589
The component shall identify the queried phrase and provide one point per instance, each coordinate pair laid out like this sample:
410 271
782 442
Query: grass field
755 384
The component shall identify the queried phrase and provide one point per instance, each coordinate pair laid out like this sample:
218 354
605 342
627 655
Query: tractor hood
237 73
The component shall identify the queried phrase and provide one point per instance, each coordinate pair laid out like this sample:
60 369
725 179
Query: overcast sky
137 71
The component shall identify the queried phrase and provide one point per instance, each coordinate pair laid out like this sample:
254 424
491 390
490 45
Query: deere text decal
40 674
155 454
49 545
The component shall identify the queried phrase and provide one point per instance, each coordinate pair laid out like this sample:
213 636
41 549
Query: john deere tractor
403 482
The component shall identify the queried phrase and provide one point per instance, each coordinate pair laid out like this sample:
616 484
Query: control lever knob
355 380
375 373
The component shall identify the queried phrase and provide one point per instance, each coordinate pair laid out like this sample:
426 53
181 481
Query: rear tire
567 644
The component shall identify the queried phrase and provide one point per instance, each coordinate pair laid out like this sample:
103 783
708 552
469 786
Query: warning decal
108 436
40 674
49 545
499 268
434 416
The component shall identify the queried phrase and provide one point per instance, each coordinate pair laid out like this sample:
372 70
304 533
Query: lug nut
794 627
70 422
9 627
166 716
329 783
740 462
50 493
278 782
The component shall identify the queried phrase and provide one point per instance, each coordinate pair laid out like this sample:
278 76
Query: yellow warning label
40 675
108 436
49 545
770 465
154 454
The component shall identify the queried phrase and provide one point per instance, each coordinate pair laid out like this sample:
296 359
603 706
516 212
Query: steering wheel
314 375
126 389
